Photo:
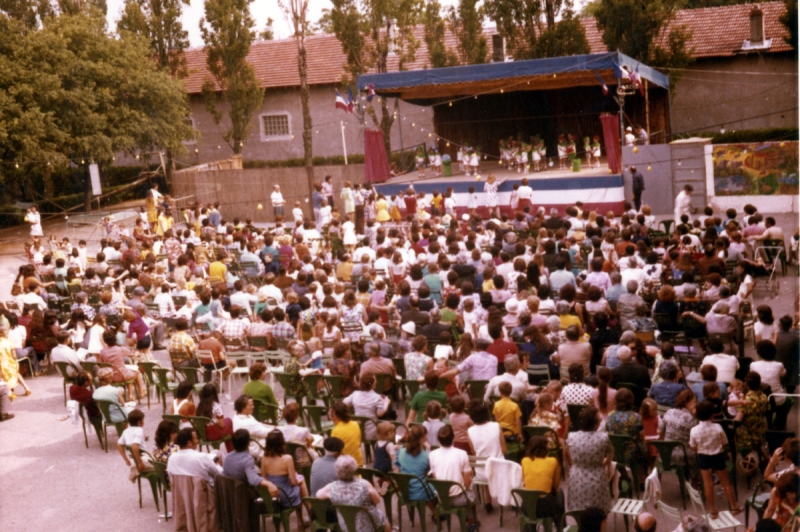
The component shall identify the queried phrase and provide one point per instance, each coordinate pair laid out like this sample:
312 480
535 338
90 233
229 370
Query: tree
435 29
638 29
368 33
159 21
268 34
227 33
75 93
297 12
467 23
522 22
29 13
567 37
789 21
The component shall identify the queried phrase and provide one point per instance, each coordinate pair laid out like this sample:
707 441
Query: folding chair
724 518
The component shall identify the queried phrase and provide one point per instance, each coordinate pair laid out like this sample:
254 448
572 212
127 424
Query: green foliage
268 34
228 34
438 54
633 27
694 4
71 91
567 37
159 21
524 22
789 21
750 135
467 23
335 160
30 13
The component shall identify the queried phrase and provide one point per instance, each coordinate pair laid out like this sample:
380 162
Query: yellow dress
152 211
9 367
383 211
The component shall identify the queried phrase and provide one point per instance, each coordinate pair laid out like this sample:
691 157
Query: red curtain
376 164
611 137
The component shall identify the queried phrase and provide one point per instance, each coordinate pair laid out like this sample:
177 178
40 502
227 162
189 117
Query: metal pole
647 110
344 144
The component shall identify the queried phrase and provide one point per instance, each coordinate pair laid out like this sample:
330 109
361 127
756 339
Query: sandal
27 392
736 511
713 515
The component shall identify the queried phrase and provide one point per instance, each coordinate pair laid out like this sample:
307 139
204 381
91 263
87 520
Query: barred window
275 126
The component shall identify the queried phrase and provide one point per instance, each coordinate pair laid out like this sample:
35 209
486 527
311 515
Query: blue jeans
30 354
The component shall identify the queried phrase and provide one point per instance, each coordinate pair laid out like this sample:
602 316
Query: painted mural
766 169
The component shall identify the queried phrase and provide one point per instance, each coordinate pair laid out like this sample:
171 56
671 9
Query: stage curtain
611 137
376 164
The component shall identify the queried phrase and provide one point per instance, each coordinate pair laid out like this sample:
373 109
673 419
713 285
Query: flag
637 80
602 83
351 103
341 103
619 72
370 92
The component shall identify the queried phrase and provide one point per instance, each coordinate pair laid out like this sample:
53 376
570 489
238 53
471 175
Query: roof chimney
498 48
756 25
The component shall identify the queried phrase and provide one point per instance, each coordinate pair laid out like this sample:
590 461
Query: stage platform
597 188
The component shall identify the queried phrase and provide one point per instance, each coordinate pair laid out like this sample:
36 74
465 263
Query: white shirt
726 366
683 203
449 463
17 336
771 372
132 435
257 430
192 463
64 353
277 199
270 290
517 388
31 298
524 192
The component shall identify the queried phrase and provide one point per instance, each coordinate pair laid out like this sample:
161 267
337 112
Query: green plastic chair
371 475
514 449
96 422
285 380
200 423
273 509
526 502
665 448
312 387
319 507
476 389
150 379
411 388
349 512
163 483
620 443
105 409
314 415
150 475
62 368
266 412
334 385
402 483
175 418
445 506
400 367
380 384
291 449
194 376
163 383
529 431
758 502
368 444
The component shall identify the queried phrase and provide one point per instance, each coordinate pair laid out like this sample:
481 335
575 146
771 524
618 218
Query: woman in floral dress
352 317
623 421
355 491
590 451
418 362
751 436
490 188
678 422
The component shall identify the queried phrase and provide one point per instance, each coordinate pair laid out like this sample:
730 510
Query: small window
275 127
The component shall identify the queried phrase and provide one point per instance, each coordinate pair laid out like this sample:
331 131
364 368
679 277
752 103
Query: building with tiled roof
734 83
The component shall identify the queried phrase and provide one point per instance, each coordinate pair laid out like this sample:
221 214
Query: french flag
341 103
637 81
370 92
620 73
602 83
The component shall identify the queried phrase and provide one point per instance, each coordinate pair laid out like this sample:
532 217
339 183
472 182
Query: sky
261 10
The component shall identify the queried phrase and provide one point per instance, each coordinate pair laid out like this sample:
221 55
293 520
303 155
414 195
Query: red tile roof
715 32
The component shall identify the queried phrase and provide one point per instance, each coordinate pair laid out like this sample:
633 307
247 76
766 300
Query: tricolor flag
351 103
637 81
602 83
370 92
620 72
341 103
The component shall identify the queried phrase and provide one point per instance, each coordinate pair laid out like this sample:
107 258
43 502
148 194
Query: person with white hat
630 138
277 201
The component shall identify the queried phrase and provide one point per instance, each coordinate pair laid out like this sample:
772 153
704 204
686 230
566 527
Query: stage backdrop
755 169
598 193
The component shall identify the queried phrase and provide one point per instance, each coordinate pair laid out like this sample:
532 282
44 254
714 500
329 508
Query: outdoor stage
598 189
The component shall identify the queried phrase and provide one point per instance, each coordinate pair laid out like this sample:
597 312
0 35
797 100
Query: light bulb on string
649 168
502 90
451 104
16 165
83 162
636 149
196 150
680 163
550 164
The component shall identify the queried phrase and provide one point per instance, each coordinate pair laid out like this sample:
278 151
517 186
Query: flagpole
344 144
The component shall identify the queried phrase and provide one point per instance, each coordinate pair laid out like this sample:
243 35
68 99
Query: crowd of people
580 324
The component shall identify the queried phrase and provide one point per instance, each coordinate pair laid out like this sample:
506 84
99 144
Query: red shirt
501 348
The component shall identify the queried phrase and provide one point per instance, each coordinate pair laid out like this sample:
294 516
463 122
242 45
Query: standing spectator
277 202
590 450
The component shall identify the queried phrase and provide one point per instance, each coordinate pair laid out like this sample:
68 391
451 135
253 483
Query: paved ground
51 481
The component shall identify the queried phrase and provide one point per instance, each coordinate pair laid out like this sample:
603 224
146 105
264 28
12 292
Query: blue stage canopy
428 85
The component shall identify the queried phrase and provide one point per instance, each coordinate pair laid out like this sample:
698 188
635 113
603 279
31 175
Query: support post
647 110
344 144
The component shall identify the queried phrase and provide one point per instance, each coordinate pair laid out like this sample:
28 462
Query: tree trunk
550 13
87 190
308 152
169 167
47 182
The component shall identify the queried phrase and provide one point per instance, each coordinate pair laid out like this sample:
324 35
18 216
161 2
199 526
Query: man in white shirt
30 297
683 203
188 461
277 201
364 250
518 393
244 419
634 272
64 353
726 364
270 290
450 463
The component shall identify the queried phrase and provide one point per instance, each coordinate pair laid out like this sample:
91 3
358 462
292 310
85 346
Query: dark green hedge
751 135
317 161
